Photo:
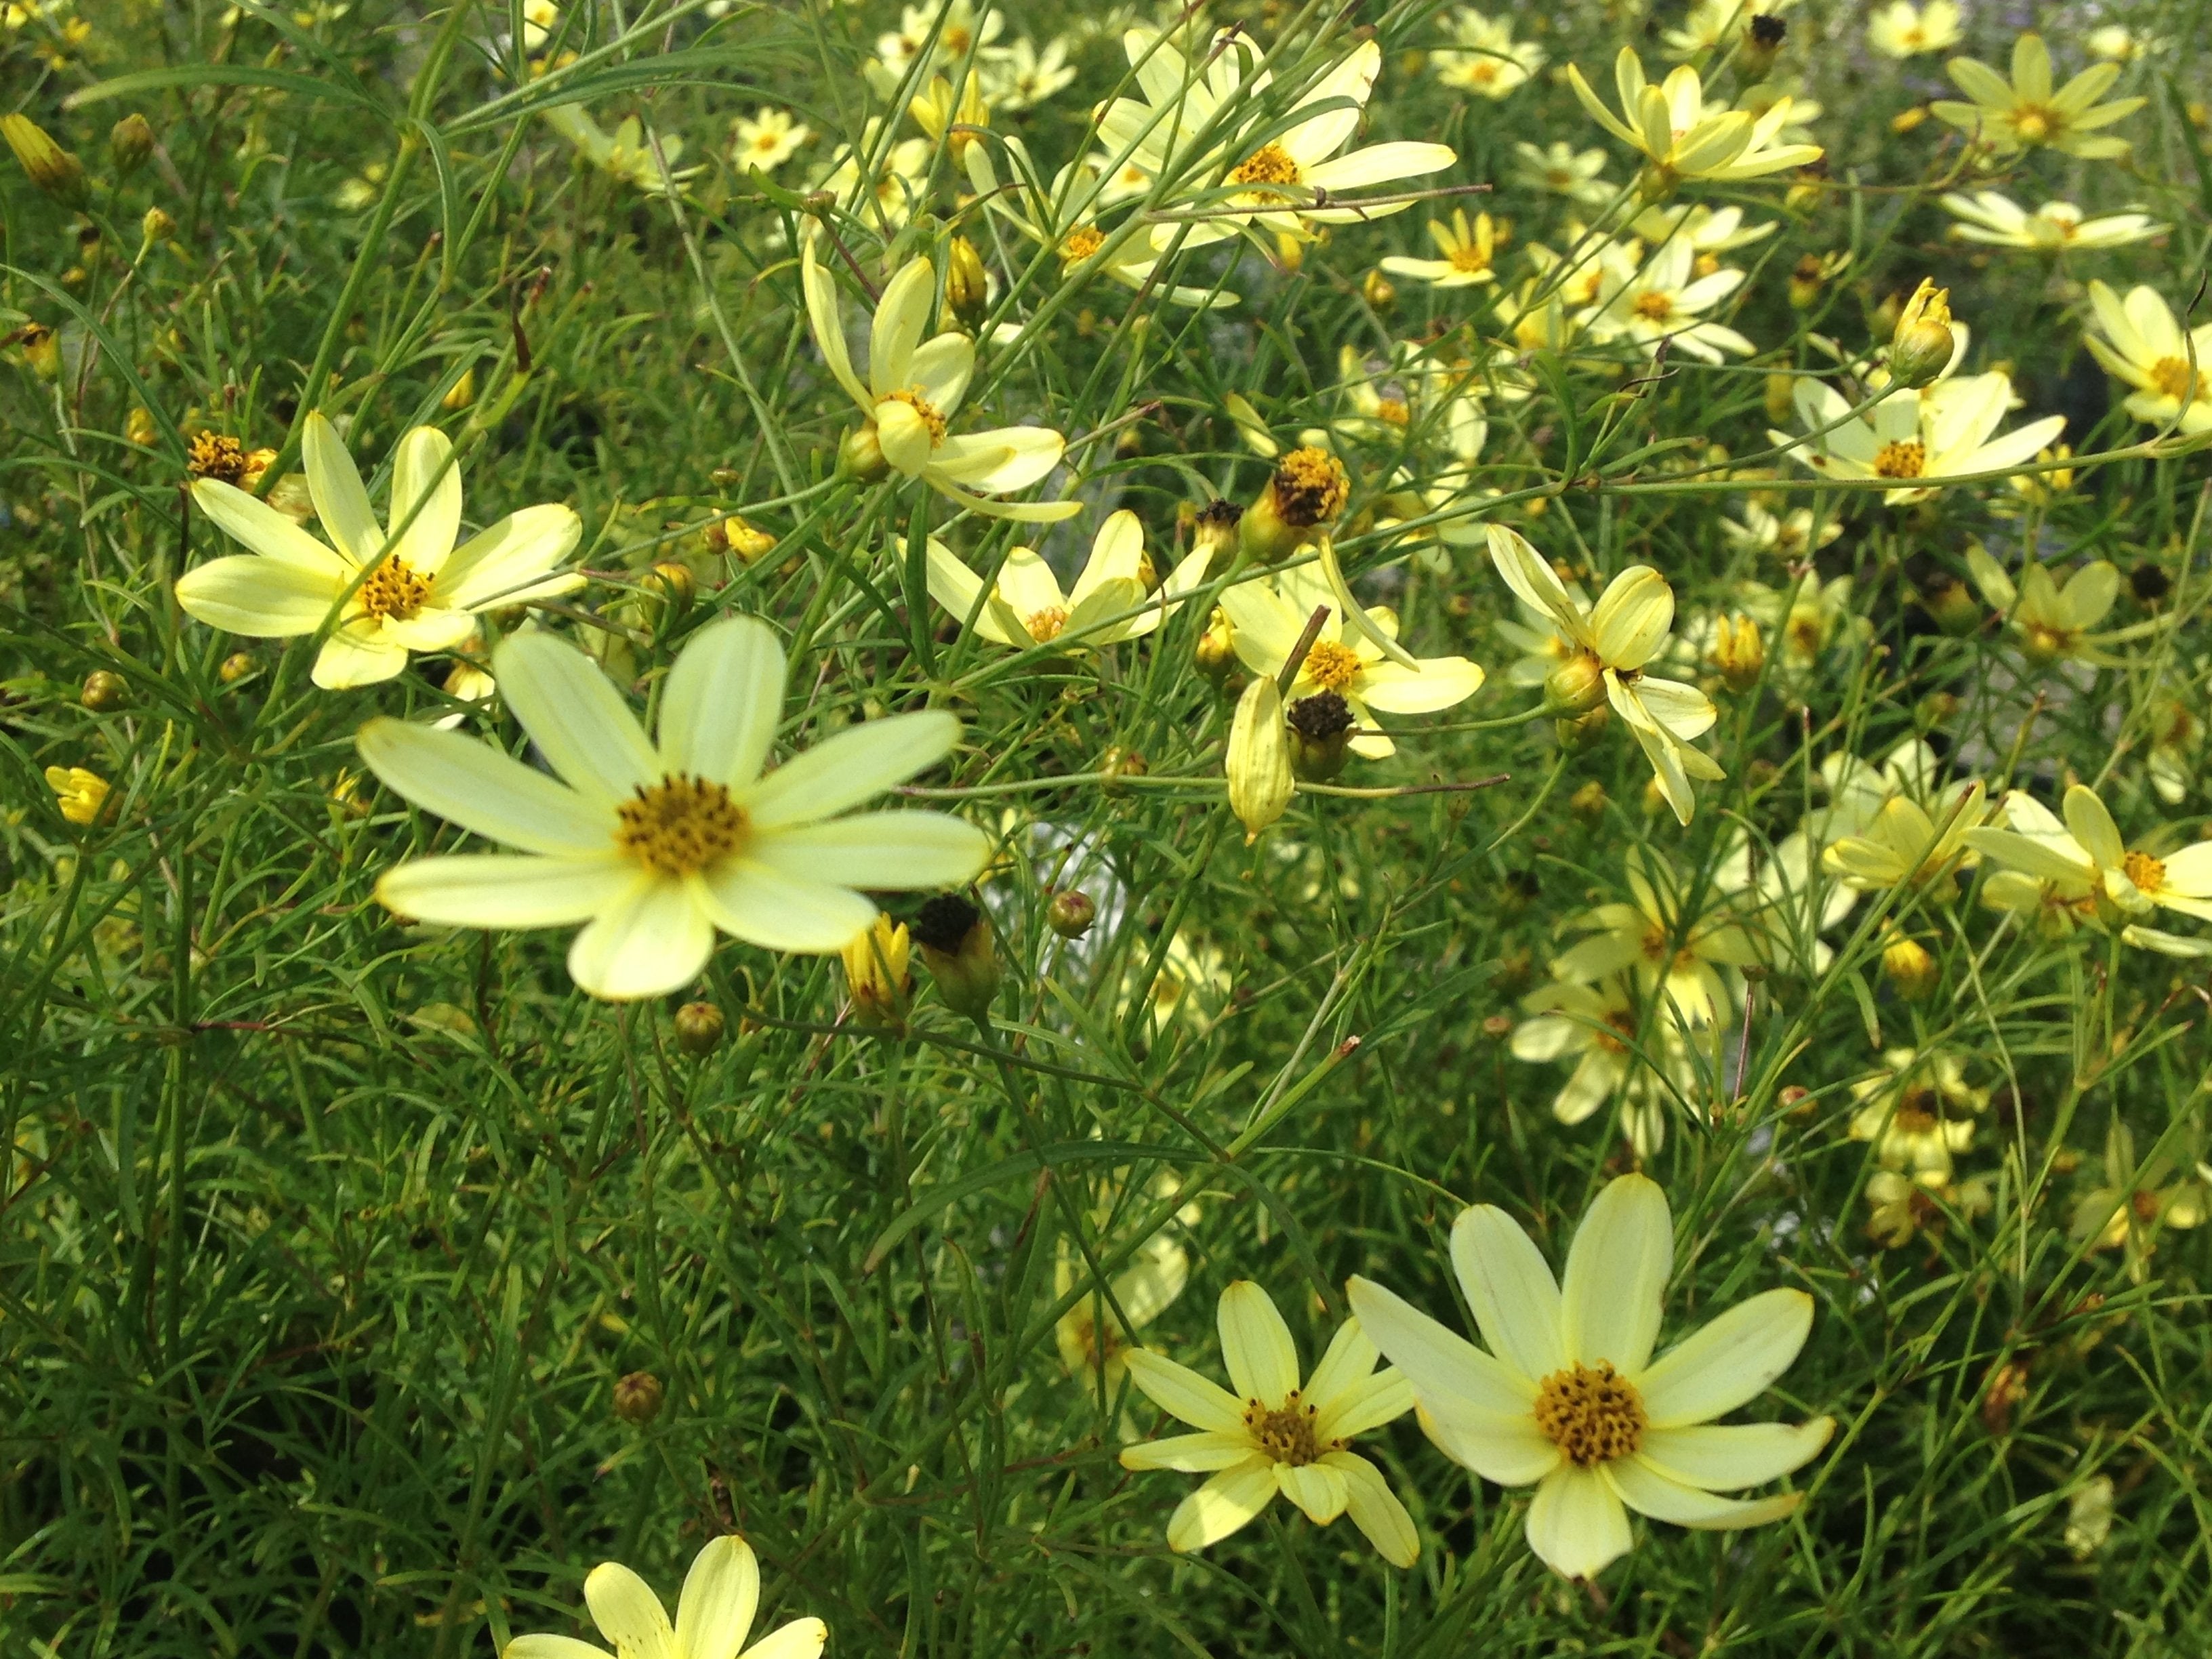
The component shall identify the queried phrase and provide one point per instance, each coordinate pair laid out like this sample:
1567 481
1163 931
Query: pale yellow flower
79 794
1675 949
2024 112
713 1615
1466 250
1918 1112
2084 856
1921 439
1025 605
1901 29
1485 59
1995 219
1685 135
2142 343
1093 1342
1596 1026
766 138
2052 622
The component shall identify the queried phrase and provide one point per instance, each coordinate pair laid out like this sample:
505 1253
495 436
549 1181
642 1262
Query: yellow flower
914 387
1612 641
1913 1111
714 1616
1093 1341
2023 112
1671 951
656 845
626 154
1904 846
1485 60
2084 857
1597 1025
876 976
1899 1206
80 795
2134 1202
1259 758
1025 606
1683 135
2144 346
1991 217
1568 1397
1901 29
1276 1433
1467 251
1922 440
2052 622
766 139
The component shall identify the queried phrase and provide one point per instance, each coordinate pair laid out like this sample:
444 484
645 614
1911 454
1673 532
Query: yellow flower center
1593 1415
680 825
1332 666
765 142
1707 264
2148 873
2169 376
1472 257
1483 72
393 589
1912 1120
912 397
1081 244
957 39
1655 306
1394 410
1907 459
2045 641
212 455
1619 1030
1045 625
1270 164
1285 1434
1311 488
2035 122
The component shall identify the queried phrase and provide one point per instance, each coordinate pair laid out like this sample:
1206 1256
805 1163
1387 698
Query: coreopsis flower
945 113
1922 440
2144 346
1902 30
657 845
896 182
1898 1207
2025 113
2116 43
914 389
80 795
1274 185
1789 537
1270 618
1485 60
1562 170
1918 1112
1807 620
960 32
766 138
1684 136
1904 845
1022 77
1662 298
1277 1433
2085 853
382 594
648 163
1093 1341
1711 24
1025 605
1675 949
877 978
1568 1397
713 1615
1993 218
1596 1025
2052 622
1612 641
1711 232
1466 251
2135 1203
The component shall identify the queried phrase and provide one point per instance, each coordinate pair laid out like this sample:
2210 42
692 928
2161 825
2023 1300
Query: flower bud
1119 763
967 284
139 427
235 667
1575 687
1584 731
1214 529
672 583
1306 494
1259 764
42 350
876 976
1921 347
638 1398
105 691
1320 735
1738 653
1953 608
51 168
860 457
1909 968
1378 291
955 937
1762 43
464 391
129 142
1070 913
1216 650
698 1028
1589 802
82 796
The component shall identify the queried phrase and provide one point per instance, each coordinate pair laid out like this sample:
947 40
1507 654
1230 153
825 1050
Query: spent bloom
1684 136
1280 1431
713 1615
914 389
381 593
2138 341
2024 112
655 846
1568 1397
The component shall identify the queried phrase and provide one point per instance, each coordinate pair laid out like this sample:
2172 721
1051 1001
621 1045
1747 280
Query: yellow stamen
1332 666
1285 1434
1907 459
1045 625
1593 1415
1270 164
680 825
1655 306
212 455
2171 377
1080 243
393 589
2148 873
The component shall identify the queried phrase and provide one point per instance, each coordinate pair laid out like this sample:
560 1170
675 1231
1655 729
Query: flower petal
1617 1272
1343 1370
1375 1509
1443 1367
1649 1492
654 937
1189 1454
1438 682
1510 1288
574 715
2093 826
1229 1500
1262 1361
1632 615
718 713
347 659
261 597
1182 1393
423 471
1576 1525
341 499
629 1615
900 316
486 792
1728 1360
895 852
1320 1491
504 890
715 1613
779 910
802 1639
508 562
843 770
822 312
551 1647
1721 1457
269 532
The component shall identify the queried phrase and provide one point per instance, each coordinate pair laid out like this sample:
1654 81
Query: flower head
1568 1397
1664 298
656 845
1921 439
381 593
2052 622
2084 857
1684 136
1280 1431
2138 341
1026 607
1905 846
766 139
1486 61
1902 30
1093 1338
1465 250
1916 1111
1598 1027
713 1615
80 795
2025 113
1994 219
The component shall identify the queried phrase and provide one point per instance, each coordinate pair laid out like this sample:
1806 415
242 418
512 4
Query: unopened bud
860 456
1216 651
1070 913
1921 347
1955 609
105 691
156 226
670 583
129 142
698 1028
1214 529
967 284
1589 802
1738 653
638 1398
1908 967
1259 763
1575 687
744 540
51 168
1119 763
956 942
1320 735
42 350
1378 291
876 976
235 667
1762 42
464 391
1580 731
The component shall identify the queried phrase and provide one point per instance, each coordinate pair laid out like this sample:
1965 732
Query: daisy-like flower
1709 232
1559 169
2052 623
2085 852
2117 44
1092 1340
2135 1203
2024 112
1711 24
1026 607
913 390
1904 846
961 33
1902 30
1568 1397
1595 1025
1468 253
1805 620
1789 537
1273 185
1672 951
1684 136
648 164
1612 641
656 846
1916 1113
1989 217
1661 299
1268 620
1920 439
1274 1435
1486 60
2144 346
713 1615
766 138
383 595
1025 77
1899 1206
901 183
